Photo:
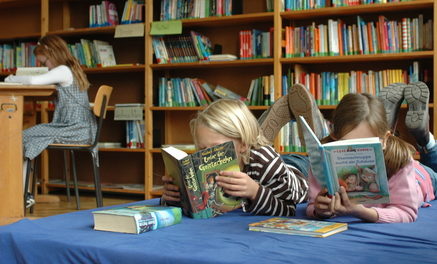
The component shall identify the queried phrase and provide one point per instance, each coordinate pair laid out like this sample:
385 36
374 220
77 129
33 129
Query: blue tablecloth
70 238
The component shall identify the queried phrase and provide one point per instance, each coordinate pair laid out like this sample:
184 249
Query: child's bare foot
392 96
417 119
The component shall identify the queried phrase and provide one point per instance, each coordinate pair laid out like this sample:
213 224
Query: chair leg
34 180
76 190
95 156
66 174
26 182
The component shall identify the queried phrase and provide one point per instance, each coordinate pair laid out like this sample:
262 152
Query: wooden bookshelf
136 81
69 20
169 125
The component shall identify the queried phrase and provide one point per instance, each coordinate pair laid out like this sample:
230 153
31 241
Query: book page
21 71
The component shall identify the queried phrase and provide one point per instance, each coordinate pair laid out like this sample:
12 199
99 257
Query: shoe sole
392 97
275 118
301 104
417 97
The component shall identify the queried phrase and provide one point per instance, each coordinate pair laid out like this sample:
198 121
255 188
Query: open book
195 175
26 71
356 164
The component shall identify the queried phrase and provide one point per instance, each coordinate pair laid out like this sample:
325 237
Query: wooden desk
11 150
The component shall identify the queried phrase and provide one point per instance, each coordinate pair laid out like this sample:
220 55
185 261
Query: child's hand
344 206
171 191
323 204
237 184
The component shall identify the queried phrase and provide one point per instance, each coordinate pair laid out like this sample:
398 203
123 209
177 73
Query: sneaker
302 103
30 200
392 97
417 118
272 120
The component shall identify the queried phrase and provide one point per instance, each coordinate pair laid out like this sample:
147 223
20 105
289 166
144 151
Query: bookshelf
138 82
169 125
122 169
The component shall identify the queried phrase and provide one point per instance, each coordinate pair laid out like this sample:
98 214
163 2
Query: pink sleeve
404 198
314 190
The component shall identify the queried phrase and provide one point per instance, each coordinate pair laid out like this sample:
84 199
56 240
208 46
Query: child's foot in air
417 118
392 96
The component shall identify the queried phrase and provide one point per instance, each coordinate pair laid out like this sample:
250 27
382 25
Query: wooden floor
87 201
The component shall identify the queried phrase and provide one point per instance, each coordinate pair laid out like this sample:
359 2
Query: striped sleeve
280 189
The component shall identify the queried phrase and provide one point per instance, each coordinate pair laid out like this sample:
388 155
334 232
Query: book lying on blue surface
299 227
136 219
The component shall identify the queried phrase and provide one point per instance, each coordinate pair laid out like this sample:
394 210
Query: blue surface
70 238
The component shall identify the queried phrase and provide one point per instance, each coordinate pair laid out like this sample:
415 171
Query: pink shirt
406 196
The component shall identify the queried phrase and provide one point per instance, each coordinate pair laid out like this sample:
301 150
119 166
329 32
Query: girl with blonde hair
269 185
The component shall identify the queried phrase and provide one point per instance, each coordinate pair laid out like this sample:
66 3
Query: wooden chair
99 110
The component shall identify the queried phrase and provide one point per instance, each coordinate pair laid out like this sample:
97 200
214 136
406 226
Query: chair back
100 104
99 109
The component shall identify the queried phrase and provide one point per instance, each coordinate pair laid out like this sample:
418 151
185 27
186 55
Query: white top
61 75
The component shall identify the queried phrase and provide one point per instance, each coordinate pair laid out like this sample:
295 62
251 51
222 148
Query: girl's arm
404 198
60 75
280 189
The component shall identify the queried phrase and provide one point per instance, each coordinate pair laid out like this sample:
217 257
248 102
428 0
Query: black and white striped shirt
281 186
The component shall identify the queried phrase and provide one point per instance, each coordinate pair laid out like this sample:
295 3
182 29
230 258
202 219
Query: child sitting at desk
411 184
73 121
270 186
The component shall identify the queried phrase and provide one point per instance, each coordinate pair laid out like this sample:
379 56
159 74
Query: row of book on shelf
293 5
340 38
197 92
329 87
193 46
106 14
184 9
90 53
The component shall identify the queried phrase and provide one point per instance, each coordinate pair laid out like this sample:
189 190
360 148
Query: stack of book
102 15
95 53
182 48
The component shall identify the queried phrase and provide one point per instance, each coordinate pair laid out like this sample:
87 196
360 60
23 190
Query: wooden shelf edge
360 58
12 38
115 69
112 190
228 20
215 64
142 150
359 9
83 31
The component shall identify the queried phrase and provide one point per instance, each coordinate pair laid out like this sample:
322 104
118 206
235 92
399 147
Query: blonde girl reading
269 185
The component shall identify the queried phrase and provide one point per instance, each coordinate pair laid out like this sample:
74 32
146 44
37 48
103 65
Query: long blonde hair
55 49
356 108
232 119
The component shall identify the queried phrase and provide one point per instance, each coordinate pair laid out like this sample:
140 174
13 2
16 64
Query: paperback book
136 219
300 227
356 164
195 175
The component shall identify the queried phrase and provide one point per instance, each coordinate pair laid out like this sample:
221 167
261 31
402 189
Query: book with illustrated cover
136 219
357 164
195 176
300 227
